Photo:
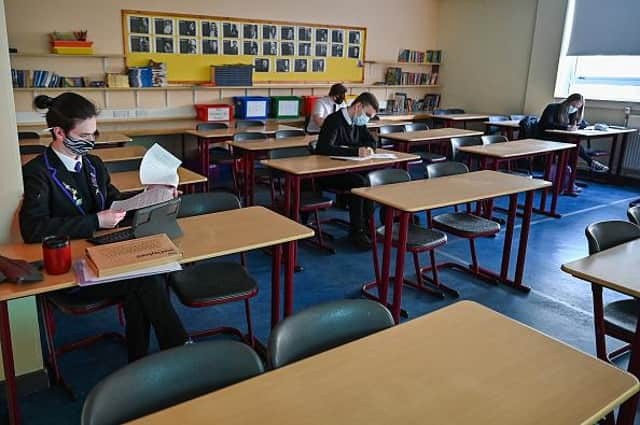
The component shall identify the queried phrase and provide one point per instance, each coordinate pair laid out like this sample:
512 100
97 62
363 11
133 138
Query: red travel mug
56 251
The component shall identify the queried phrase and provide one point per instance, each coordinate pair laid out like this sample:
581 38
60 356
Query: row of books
395 76
430 102
418 56
23 78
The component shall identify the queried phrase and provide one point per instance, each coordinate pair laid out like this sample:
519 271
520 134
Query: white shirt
68 162
323 108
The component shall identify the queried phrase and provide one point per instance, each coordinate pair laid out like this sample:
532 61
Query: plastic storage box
308 103
232 75
219 112
251 107
285 106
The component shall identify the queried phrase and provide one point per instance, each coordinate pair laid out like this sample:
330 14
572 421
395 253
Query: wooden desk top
102 139
382 122
404 116
590 132
125 153
517 148
319 163
508 123
269 128
462 364
460 117
615 268
205 236
129 181
435 134
421 195
271 143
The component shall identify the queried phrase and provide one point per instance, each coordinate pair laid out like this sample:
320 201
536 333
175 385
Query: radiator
631 164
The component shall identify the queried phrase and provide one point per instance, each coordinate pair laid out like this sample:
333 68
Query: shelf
255 87
53 55
402 63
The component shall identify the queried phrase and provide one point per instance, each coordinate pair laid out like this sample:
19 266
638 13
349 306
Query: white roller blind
605 27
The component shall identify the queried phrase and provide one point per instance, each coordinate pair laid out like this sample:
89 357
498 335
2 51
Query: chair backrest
203 126
32 149
416 126
28 135
458 142
288 152
441 169
207 203
516 117
607 234
249 135
388 176
455 111
167 378
386 129
249 123
313 145
324 326
283 134
489 139
633 214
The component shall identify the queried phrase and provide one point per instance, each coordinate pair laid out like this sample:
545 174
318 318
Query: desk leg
522 246
288 277
401 251
548 161
7 363
276 259
628 408
623 151
612 156
383 289
561 167
508 237
574 168
287 195
510 133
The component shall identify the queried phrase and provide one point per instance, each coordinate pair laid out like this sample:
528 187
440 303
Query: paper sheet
366 158
158 166
153 196
87 277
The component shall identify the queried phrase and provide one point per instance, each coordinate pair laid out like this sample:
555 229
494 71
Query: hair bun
43 101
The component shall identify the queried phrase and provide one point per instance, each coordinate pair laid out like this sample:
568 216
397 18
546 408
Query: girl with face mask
67 192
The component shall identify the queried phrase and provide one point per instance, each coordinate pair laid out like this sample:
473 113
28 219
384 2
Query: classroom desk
403 141
107 155
106 138
376 124
429 194
204 237
462 364
617 136
450 120
129 181
252 149
528 148
616 269
507 128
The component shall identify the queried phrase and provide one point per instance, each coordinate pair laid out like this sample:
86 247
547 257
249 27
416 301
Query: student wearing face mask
567 115
67 192
345 133
327 105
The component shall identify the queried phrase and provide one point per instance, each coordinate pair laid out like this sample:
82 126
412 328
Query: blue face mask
572 109
361 119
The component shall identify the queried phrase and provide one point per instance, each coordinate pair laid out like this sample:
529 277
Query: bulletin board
279 51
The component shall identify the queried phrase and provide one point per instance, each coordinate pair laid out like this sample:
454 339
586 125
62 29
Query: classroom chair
28 135
517 117
324 326
219 155
209 283
489 139
428 157
260 172
386 129
283 134
168 378
458 142
419 239
462 224
633 214
496 118
32 149
449 111
620 317
249 123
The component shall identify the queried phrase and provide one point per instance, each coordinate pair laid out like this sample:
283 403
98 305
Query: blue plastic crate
233 75
251 107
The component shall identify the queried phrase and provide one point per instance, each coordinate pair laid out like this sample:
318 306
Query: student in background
567 115
327 105
67 192
345 133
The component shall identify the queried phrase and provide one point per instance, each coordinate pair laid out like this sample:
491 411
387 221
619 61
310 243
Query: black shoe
360 240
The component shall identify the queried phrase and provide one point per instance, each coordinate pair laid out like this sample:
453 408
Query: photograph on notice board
261 65
269 32
139 24
300 65
317 65
354 37
282 65
187 28
209 29
230 30
321 50
230 47
188 46
139 43
304 33
250 31
163 26
210 47
250 48
164 45
270 48
337 36
287 33
304 49
337 50
354 52
287 49
322 35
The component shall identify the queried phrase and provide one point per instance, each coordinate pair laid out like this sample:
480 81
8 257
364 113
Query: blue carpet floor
558 304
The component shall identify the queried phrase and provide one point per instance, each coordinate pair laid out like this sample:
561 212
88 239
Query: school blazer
48 209
338 138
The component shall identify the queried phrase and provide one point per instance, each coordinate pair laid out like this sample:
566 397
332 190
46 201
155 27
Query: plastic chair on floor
249 123
428 157
219 155
496 118
387 129
284 134
458 142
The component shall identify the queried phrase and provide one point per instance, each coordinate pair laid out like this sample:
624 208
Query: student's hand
364 152
108 219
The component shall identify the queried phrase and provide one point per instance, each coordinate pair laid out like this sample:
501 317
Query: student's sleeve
318 114
369 139
36 220
329 143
